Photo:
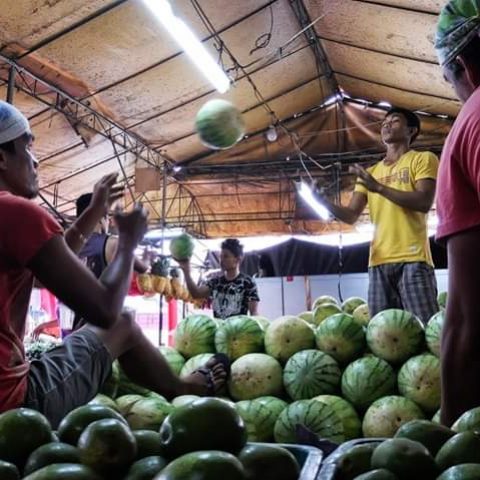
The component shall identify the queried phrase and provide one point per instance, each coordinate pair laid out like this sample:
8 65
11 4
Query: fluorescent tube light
189 43
307 194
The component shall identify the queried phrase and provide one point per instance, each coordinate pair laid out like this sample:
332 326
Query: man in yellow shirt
399 191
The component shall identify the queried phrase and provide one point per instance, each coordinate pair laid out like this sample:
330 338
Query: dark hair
412 120
82 202
234 246
470 55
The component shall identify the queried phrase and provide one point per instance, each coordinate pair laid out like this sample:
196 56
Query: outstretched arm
99 301
348 214
195 290
105 193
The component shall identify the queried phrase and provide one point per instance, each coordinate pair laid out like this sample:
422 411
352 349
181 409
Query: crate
309 458
329 466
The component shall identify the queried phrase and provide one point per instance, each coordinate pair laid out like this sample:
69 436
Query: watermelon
433 332
288 335
442 299
324 299
125 402
349 417
350 304
195 363
263 321
386 415
255 375
173 358
274 404
436 417
239 335
341 337
258 418
307 316
395 335
323 311
470 420
182 400
219 124
310 373
148 414
419 380
366 380
182 247
362 314
195 334
318 417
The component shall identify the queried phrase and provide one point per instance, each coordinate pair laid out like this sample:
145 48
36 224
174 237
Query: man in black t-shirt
233 293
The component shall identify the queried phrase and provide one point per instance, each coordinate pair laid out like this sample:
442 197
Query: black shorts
68 376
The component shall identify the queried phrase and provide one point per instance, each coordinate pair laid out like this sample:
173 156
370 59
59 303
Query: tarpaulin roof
107 89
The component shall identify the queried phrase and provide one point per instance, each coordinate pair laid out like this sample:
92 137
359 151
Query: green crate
309 458
329 466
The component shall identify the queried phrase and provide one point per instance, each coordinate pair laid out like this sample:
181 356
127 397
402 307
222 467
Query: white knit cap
13 123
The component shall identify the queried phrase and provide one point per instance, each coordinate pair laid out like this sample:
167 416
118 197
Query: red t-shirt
458 183
24 229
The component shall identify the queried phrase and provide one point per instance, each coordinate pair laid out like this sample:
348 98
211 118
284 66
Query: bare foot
209 379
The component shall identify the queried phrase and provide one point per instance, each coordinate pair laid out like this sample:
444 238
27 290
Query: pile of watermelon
97 442
420 449
334 370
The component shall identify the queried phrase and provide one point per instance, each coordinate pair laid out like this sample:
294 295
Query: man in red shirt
32 245
458 207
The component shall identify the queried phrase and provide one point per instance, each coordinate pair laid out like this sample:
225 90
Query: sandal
207 371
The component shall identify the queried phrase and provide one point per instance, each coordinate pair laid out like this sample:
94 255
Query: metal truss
80 114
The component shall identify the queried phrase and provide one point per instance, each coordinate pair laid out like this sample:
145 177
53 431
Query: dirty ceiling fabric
90 72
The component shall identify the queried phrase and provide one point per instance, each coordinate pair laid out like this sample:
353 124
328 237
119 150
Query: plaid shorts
409 286
68 376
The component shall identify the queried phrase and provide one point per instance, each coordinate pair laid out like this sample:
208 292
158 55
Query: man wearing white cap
32 245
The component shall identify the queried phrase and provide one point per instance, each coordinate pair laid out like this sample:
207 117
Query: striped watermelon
350 304
310 373
350 419
219 124
318 417
366 380
395 335
386 415
419 380
324 299
323 311
433 332
194 363
239 335
173 358
442 299
362 315
341 337
259 420
263 321
255 375
182 400
470 420
195 334
288 335
274 404
307 316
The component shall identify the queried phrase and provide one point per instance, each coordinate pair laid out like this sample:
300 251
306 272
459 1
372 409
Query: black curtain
298 257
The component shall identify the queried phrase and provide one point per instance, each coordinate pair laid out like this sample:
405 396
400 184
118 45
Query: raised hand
366 179
106 193
131 225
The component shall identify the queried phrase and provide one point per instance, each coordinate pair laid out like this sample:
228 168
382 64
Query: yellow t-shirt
400 234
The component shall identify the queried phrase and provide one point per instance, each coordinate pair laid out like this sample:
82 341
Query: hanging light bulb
271 133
